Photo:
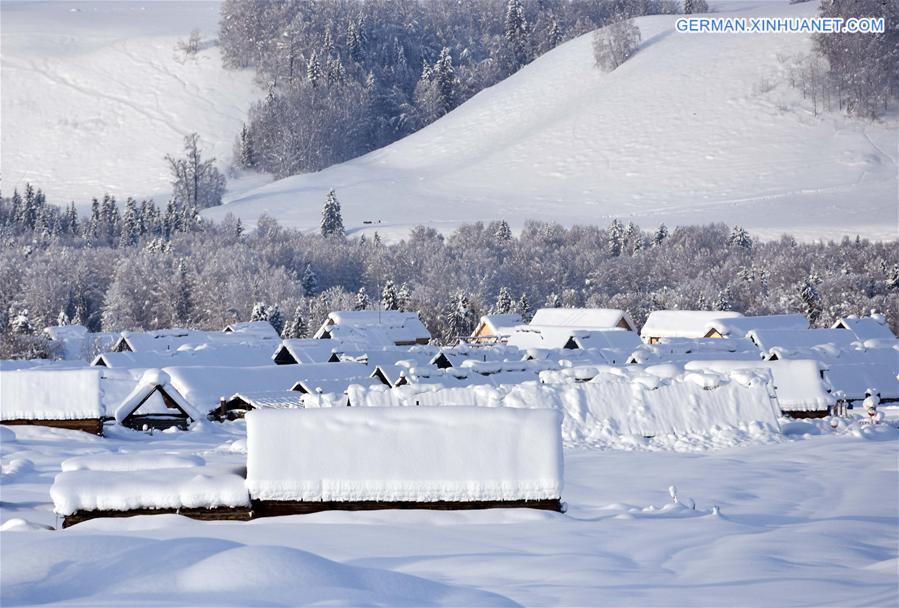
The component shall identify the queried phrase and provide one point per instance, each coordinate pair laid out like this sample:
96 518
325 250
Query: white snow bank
414 454
139 461
68 394
194 487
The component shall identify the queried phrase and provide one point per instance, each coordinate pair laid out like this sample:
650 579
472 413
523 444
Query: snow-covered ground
692 129
95 95
805 518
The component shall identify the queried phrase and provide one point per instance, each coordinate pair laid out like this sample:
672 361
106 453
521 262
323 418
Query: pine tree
739 238
15 212
444 80
553 301
660 235
389 296
309 282
363 302
247 156
63 319
183 297
297 328
523 308
503 233
616 238
313 70
458 317
811 299
503 302
259 312
332 221
724 300
275 318
516 34
130 227
20 322
403 298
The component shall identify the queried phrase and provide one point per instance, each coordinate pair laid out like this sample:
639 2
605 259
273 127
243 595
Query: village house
374 328
681 323
495 328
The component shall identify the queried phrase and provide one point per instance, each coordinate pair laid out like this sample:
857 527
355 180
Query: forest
146 268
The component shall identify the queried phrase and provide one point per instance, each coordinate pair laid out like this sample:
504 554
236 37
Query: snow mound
692 129
130 462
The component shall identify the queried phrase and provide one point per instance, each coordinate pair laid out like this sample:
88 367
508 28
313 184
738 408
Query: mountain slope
693 129
95 95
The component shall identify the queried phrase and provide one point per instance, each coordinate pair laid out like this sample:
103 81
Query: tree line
171 269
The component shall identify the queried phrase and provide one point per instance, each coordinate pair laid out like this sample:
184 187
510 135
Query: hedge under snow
404 454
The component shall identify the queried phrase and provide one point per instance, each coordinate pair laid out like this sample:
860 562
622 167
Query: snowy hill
693 129
95 95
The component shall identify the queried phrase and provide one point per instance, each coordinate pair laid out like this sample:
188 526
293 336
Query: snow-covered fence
65 398
365 458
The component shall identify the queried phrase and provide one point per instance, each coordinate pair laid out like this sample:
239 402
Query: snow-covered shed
874 327
496 327
681 323
583 318
234 354
63 398
854 372
679 350
371 328
155 404
738 327
332 378
455 356
801 343
799 385
375 458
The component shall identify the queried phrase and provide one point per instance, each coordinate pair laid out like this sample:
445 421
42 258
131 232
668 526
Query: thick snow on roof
375 328
204 386
682 323
148 383
878 370
194 487
787 340
581 318
237 354
176 338
59 394
309 350
738 327
797 384
137 461
500 325
45 364
404 454
274 399
614 402
258 329
867 328
688 349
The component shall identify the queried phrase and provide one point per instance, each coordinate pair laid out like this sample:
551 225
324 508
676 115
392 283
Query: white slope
684 132
94 95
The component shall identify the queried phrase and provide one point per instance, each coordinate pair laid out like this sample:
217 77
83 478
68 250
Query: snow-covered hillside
95 95
693 129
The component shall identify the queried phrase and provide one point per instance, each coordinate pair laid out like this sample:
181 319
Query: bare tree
615 44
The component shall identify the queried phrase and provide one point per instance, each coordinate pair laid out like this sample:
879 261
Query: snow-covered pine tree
403 298
523 308
810 299
660 235
389 296
740 238
259 312
275 318
616 238
503 233
517 34
297 327
553 300
309 282
503 302
63 319
332 221
246 153
183 303
724 300
363 302
444 77
695 6
458 318
130 224
313 70
20 321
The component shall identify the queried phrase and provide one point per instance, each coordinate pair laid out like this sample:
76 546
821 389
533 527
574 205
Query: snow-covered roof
687 349
681 323
177 338
270 399
374 328
194 487
205 386
738 327
583 318
497 325
798 384
455 356
58 394
404 454
150 382
866 328
258 329
134 461
305 350
235 354
787 340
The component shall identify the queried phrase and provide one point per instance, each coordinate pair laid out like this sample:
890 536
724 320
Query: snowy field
692 129
95 95
807 517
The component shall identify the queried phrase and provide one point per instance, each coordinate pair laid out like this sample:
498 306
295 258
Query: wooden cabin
155 404
61 398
